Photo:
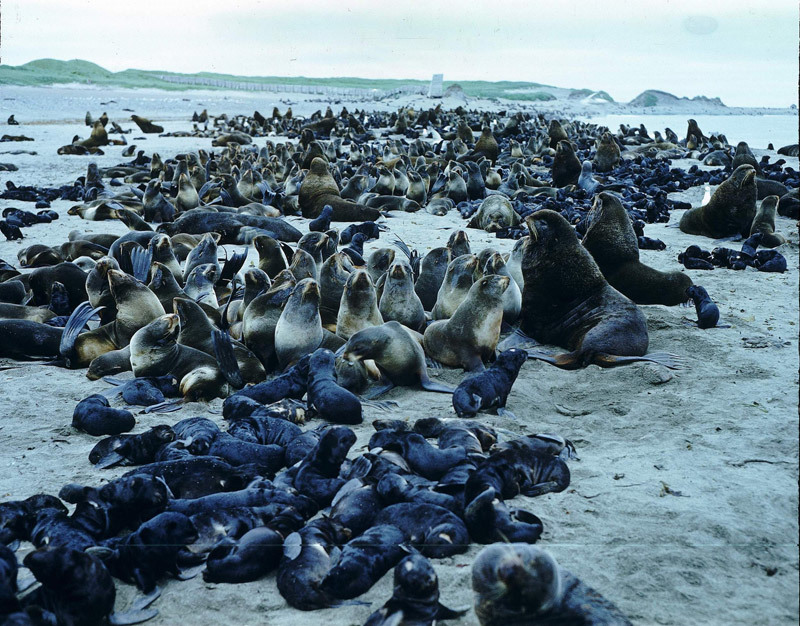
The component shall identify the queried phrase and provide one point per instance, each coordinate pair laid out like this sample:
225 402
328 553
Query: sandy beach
683 506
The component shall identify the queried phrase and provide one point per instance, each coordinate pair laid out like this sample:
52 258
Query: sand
682 508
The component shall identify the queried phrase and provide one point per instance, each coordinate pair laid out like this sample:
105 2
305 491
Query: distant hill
52 71
653 97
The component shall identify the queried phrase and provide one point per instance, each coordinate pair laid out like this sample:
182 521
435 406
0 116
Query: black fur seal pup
516 583
730 211
330 401
254 555
131 449
233 228
764 223
364 561
611 241
567 302
415 599
76 588
150 551
95 416
490 389
318 475
291 384
398 354
356 504
433 530
423 459
307 556
23 339
707 311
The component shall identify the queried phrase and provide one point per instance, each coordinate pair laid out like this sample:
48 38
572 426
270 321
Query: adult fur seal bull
567 302
731 209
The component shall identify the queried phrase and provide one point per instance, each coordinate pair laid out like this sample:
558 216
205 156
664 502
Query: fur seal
435 531
319 188
333 277
95 416
494 214
398 353
299 328
556 133
566 165
764 223
432 270
730 211
612 242
517 583
330 401
606 157
415 599
567 302
458 280
260 319
399 301
490 389
136 307
358 308
471 334
512 298
146 126
707 311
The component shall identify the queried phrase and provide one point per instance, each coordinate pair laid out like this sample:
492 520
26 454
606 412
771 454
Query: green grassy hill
52 72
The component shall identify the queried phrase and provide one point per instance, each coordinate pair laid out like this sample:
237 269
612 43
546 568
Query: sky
743 51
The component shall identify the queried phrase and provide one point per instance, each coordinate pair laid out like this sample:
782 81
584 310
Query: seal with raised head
457 282
517 583
470 336
299 328
358 308
607 155
612 242
566 165
730 211
399 301
764 223
567 302
319 188
432 270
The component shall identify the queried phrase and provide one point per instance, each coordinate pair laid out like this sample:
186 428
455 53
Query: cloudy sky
745 52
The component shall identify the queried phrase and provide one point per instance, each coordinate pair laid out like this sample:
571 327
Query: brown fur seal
470 336
764 223
566 166
432 270
299 328
358 308
730 211
155 351
567 302
319 188
456 285
333 276
399 301
607 155
261 316
146 126
379 262
398 353
612 243
556 133
136 307
494 214
273 256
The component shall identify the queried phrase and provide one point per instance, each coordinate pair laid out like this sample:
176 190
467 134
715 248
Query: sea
757 130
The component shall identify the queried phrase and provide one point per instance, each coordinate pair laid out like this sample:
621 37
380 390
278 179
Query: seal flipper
443 612
429 385
387 385
504 412
141 260
168 406
111 459
137 613
80 316
226 359
233 265
668 360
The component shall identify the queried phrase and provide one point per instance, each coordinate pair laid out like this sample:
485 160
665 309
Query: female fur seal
612 243
730 211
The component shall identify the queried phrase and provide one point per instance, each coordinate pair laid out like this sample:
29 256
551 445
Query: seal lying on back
495 213
612 243
567 302
517 584
731 209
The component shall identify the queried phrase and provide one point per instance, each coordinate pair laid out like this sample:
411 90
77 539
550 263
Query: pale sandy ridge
723 433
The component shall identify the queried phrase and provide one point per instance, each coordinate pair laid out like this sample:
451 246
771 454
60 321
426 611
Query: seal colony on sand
299 337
